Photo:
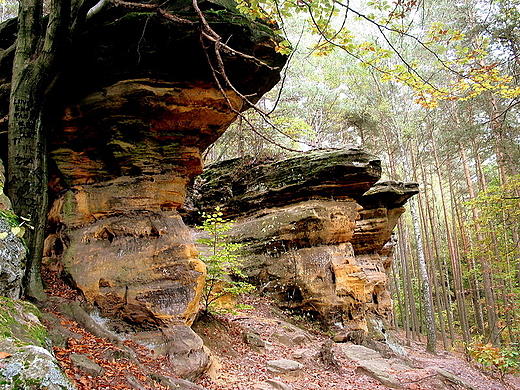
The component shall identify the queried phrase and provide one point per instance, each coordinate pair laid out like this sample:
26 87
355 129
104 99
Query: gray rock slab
379 371
453 378
372 363
253 340
359 352
277 385
283 366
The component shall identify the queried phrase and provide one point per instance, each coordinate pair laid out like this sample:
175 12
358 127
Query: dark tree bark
39 48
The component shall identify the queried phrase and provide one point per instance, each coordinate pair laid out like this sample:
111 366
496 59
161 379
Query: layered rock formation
129 143
314 228
132 112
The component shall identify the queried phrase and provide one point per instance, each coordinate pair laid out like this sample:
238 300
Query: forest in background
432 89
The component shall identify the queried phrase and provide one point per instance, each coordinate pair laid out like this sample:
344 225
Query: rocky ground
250 348
264 348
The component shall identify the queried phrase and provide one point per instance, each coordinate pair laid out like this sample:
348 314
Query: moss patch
20 321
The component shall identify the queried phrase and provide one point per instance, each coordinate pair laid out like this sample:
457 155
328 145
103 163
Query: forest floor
241 368
243 344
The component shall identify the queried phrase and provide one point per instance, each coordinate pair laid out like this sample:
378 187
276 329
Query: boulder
27 361
277 385
371 363
84 363
316 229
271 384
183 347
284 366
255 341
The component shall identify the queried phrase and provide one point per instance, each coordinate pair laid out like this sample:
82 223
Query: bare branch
4 54
174 18
221 73
217 40
130 4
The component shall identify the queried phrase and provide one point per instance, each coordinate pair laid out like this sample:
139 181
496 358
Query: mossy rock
12 253
249 184
27 361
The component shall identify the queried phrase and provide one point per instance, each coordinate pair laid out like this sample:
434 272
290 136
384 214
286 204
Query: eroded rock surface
131 113
143 107
12 249
315 229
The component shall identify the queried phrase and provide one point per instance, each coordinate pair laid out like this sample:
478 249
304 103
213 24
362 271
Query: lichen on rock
12 248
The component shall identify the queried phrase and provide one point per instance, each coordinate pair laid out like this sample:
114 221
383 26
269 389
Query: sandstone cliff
131 114
314 229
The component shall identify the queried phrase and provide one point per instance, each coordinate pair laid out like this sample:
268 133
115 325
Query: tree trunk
39 45
27 172
440 290
429 317
494 333
457 268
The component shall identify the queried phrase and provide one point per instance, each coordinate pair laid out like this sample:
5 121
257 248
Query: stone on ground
283 366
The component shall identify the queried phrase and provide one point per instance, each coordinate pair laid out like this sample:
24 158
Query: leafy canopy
465 61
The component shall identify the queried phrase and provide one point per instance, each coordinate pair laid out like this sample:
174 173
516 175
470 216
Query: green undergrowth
500 360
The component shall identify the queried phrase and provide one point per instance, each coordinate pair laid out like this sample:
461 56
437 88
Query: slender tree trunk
457 270
429 317
431 343
442 270
406 307
396 293
439 288
457 278
498 136
482 182
472 271
494 334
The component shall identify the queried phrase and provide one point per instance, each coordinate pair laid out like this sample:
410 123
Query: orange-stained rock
124 235
138 100
314 228
134 123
